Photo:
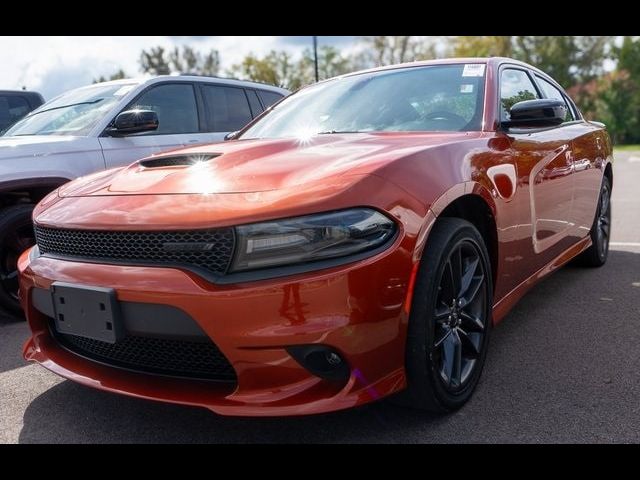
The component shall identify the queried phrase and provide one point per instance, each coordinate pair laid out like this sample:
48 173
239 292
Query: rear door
179 123
227 108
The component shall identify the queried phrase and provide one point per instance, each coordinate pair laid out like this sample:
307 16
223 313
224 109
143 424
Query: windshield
72 113
427 98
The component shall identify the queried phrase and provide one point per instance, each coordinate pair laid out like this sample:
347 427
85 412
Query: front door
179 125
544 161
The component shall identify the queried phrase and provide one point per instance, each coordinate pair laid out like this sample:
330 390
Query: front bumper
358 309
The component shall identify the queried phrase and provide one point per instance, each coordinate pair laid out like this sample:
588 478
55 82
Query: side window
515 86
227 108
175 105
550 91
269 98
256 108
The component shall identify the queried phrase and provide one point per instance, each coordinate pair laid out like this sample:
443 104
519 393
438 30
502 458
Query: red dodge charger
358 240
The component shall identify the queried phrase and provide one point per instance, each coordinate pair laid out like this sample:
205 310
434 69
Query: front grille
206 249
180 358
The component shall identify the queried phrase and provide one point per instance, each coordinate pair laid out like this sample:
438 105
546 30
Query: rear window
227 108
269 98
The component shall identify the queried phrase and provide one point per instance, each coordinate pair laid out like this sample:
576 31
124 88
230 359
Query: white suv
109 125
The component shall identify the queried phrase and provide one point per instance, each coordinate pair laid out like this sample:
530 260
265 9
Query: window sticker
473 70
466 88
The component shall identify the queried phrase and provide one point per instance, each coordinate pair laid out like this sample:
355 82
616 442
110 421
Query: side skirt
501 308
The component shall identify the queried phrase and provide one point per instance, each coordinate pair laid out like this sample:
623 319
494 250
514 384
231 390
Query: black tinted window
175 105
269 98
550 91
254 103
227 108
12 109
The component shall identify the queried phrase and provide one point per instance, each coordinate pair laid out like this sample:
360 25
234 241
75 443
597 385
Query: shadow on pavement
559 369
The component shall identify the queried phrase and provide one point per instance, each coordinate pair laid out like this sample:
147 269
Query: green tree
331 63
628 56
159 61
477 46
115 76
618 105
389 50
155 61
615 97
567 59
275 68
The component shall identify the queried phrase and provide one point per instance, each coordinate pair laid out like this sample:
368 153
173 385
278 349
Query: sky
52 65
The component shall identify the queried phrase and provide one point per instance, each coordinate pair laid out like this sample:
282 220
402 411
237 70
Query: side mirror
231 135
134 121
544 112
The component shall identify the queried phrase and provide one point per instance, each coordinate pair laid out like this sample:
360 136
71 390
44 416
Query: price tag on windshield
473 70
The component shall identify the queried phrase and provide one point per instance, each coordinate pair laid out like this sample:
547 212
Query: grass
626 148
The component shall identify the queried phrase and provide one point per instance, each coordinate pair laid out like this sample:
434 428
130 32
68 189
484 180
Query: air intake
177 160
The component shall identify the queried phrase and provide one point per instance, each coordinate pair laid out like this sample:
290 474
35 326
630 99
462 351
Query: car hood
246 166
37 145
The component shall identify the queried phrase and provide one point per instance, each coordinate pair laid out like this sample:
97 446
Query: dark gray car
15 104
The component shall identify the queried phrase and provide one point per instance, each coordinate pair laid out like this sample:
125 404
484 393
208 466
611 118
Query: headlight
310 238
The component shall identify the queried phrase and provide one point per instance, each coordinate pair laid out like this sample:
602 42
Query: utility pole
315 56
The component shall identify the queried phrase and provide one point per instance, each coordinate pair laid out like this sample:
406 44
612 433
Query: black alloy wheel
450 319
596 255
460 315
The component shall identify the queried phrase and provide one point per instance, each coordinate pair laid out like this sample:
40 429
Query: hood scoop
178 160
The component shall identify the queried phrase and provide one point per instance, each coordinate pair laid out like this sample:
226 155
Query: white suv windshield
72 113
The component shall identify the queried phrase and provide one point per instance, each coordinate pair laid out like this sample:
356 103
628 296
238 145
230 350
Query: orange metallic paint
541 188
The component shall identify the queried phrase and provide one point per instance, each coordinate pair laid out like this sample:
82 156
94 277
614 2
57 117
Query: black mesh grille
182 358
207 249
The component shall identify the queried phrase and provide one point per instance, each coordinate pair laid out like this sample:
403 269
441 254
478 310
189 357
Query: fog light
322 361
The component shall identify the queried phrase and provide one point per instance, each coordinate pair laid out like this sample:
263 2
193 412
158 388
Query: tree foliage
388 50
158 61
279 68
576 62
116 76
568 59
275 68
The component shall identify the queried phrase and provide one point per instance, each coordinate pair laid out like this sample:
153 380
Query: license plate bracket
85 311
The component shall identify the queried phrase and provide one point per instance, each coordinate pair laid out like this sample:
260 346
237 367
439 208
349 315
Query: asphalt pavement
564 366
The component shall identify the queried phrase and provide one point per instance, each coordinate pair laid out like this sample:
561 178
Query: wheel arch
30 190
469 201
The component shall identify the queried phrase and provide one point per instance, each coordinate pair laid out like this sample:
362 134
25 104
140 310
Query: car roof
150 80
445 61
18 92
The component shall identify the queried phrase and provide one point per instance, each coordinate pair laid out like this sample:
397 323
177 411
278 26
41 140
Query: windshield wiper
331 132
70 105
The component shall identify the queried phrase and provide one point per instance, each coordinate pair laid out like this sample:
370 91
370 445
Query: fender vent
178 160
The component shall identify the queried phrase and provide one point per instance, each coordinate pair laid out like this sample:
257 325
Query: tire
427 362
16 235
596 255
